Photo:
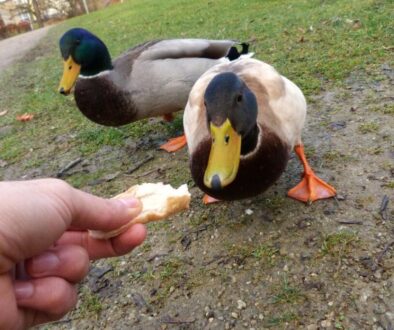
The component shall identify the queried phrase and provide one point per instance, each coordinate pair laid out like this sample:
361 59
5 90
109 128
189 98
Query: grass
389 184
371 127
267 253
316 44
338 244
275 321
386 109
91 304
286 293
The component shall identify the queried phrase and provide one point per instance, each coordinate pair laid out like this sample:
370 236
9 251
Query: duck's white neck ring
258 144
102 73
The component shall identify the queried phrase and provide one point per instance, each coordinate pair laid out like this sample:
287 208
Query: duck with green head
241 122
151 79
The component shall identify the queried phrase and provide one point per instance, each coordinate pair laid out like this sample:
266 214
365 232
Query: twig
139 164
68 167
350 222
158 255
169 320
383 207
385 249
157 169
198 229
215 258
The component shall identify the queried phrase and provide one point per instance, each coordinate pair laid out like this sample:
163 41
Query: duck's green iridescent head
83 53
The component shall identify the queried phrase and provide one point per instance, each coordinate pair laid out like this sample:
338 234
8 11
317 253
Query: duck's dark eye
77 42
70 67
226 139
213 140
239 98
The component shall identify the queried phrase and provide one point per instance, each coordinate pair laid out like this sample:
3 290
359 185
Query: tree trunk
37 13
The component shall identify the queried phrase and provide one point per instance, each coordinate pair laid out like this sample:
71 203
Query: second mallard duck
151 79
241 122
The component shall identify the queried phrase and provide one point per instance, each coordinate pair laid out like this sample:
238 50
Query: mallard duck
151 79
241 121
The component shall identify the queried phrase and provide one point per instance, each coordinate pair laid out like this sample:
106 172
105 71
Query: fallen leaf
357 24
25 117
2 113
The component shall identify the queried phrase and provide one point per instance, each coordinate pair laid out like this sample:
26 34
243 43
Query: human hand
45 246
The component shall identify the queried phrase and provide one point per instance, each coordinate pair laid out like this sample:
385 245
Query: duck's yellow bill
70 74
224 157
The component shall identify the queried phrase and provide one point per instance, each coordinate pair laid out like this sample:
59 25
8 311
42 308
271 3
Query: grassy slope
333 45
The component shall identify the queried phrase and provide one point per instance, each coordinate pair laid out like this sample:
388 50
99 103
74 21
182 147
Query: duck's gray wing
187 48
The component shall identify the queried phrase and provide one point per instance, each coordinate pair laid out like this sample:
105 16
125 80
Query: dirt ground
265 262
13 49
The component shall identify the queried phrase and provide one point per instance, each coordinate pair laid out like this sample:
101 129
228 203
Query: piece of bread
159 201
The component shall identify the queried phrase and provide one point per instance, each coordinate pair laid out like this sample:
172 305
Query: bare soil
265 262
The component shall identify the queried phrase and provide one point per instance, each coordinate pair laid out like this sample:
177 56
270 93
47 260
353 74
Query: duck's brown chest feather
100 101
256 173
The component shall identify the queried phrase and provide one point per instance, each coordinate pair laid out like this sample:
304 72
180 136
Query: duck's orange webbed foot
209 199
311 187
174 144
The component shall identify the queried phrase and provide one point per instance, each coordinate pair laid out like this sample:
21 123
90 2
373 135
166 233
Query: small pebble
249 211
234 315
241 304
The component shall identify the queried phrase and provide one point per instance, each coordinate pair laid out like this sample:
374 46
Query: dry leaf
2 113
25 117
357 24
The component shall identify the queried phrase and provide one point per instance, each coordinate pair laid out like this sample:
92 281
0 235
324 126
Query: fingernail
45 262
23 290
130 202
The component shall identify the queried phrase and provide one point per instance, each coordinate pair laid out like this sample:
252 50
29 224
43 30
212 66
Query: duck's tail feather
234 53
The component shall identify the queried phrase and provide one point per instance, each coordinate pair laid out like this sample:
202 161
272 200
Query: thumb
92 212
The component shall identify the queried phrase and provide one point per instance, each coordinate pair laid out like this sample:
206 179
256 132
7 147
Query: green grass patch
90 303
277 320
389 184
266 253
170 268
338 244
371 127
286 293
96 137
386 109
275 202
10 149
